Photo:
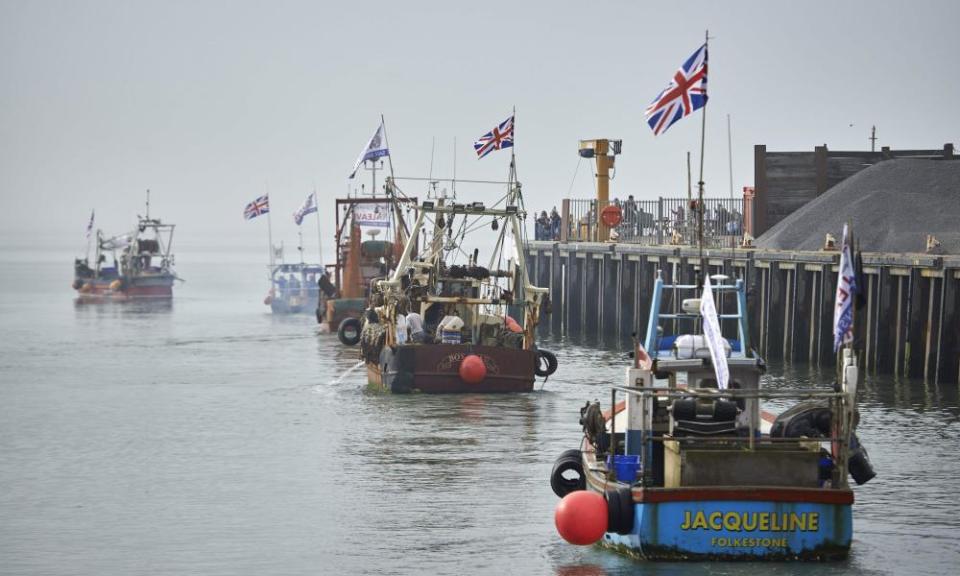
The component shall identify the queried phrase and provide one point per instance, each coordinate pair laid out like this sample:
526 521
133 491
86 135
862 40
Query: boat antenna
453 183
148 203
430 182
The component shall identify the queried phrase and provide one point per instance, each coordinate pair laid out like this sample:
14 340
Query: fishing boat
360 261
140 264
684 468
295 288
444 323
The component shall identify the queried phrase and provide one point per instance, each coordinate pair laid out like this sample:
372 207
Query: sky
210 104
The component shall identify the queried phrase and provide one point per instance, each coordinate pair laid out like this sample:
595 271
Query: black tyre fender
548 357
570 460
620 511
346 326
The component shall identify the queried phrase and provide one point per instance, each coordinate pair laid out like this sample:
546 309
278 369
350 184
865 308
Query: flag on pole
847 289
375 148
90 224
309 206
711 331
500 137
685 93
256 208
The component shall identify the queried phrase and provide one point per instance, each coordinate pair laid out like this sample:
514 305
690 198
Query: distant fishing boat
686 469
295 288
140 263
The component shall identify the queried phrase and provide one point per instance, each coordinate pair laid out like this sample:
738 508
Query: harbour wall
909 326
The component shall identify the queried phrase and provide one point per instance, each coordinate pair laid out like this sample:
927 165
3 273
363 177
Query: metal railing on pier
663 221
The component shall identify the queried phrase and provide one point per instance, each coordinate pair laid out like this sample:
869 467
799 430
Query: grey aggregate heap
892 205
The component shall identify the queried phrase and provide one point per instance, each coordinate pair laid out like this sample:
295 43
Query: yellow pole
604 160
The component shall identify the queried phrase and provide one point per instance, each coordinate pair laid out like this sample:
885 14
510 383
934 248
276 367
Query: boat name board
751 521
451 361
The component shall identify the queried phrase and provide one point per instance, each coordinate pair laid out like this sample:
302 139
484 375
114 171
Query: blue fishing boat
686 465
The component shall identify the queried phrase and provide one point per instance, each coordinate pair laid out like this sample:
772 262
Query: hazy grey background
206 103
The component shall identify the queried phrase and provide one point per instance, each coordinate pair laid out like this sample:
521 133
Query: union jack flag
687 92
500 137
256 208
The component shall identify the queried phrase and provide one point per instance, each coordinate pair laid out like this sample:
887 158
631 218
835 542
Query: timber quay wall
910 325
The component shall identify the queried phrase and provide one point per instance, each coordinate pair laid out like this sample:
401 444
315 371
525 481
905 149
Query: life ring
349 331
620 511
551 363
569 461
611 215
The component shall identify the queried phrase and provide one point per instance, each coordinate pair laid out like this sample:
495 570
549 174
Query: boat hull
294 304
733 523
737 530
434 369
142 287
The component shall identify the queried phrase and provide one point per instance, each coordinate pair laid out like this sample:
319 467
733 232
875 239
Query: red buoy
581 517
472 369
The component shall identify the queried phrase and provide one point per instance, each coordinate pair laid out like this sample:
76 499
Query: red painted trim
619 408
765 494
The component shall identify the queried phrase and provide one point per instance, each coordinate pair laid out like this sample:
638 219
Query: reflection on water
135 306
211 437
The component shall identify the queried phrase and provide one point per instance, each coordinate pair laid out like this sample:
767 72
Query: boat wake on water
339 379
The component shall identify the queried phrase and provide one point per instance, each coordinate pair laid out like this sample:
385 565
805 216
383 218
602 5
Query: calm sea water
210 437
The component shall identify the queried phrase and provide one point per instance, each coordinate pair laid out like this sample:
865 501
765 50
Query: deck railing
650 222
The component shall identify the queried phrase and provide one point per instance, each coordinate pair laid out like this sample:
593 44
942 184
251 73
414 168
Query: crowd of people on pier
669 220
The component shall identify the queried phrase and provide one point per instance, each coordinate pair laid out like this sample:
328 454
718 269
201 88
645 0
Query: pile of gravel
892 206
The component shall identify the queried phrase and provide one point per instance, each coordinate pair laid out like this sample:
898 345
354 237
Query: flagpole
703 136
86 256
513 159
269 225
386 143
316 202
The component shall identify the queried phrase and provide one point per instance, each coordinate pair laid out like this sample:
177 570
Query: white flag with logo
711 331
309 206
375 148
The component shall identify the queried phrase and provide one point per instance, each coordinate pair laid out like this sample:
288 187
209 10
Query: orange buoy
581 517
611 215
472 369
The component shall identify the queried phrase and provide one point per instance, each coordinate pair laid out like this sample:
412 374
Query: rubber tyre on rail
349 331
620 511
